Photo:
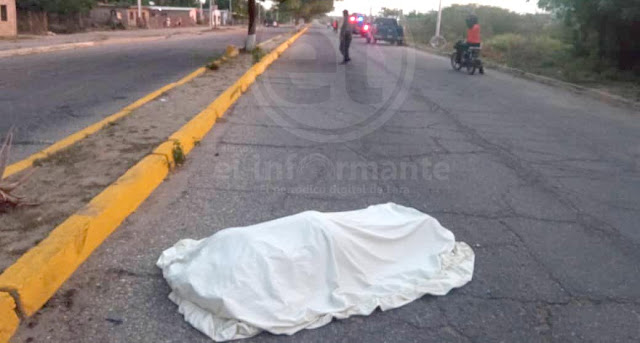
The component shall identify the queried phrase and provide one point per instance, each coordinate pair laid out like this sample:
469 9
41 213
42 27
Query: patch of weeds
138 147
66 157
257 53
215 63
178 153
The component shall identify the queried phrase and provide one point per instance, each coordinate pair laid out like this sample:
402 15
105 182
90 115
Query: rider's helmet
471 20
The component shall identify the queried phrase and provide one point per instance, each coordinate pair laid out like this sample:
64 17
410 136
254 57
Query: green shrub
527 52
505 43
257 53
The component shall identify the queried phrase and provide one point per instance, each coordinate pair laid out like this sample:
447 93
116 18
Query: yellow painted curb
75 137
8 318
37 275
26 163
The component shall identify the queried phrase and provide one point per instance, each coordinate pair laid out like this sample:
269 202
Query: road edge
9 323
73 138
95 127
606 97
93 42
38 274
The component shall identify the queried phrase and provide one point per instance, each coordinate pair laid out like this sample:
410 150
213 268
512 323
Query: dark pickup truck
386 29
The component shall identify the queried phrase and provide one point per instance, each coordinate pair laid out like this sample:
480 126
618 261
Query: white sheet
299 272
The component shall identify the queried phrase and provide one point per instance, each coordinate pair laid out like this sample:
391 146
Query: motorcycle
470 59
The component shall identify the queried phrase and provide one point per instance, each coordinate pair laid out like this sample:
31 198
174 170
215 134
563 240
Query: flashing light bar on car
352 18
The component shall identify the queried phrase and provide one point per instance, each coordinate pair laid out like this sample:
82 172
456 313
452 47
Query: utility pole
202 11
439 19
231 11
140 10
438 41
211 22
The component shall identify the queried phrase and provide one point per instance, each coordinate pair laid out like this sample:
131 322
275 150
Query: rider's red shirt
473 35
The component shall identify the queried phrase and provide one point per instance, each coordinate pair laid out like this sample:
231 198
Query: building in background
168 16
132 17
102 16
8 22
215 17
224 17
113 16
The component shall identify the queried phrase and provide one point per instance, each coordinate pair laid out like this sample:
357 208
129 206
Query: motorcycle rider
473 38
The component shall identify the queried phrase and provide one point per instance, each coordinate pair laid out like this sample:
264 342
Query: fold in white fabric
301 271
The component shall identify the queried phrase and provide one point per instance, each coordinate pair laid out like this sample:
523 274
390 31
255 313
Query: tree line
297 9
601 34
607 30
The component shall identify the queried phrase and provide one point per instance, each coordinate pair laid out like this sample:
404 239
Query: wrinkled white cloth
299 272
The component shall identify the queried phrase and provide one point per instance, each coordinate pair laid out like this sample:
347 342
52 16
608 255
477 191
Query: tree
56 6
390 12
304 9
250 43
610 27
251 35
280 12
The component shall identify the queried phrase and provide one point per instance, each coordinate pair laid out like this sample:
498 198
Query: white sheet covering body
301 271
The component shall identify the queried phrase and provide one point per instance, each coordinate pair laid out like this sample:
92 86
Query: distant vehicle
269 23
386 29
356 20
366 28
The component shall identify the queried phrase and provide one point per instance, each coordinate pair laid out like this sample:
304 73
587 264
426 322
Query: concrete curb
43 49
37 275
602 96
9 323
87 44
93 128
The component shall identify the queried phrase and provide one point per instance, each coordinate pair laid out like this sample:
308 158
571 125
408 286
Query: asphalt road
542 183
49 96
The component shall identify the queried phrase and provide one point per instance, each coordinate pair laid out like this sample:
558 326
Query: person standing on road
345 37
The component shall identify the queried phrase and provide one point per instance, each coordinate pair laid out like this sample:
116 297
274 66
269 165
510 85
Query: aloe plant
7 199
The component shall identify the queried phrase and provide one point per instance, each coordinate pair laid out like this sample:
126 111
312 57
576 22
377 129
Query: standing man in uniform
345 37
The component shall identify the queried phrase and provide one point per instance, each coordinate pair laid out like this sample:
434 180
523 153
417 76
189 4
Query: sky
363 6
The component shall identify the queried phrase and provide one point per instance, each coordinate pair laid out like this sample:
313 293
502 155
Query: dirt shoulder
65 181
33 41
621 91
